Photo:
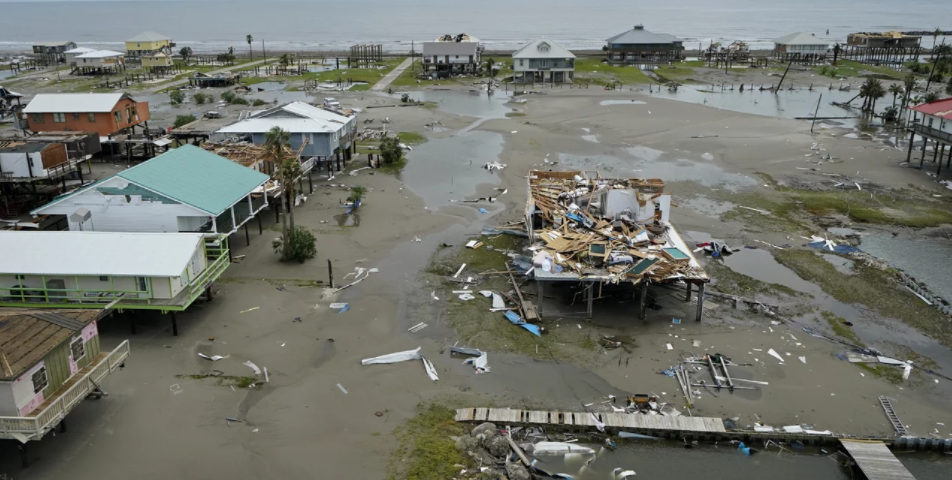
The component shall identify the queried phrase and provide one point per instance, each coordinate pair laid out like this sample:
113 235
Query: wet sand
300 422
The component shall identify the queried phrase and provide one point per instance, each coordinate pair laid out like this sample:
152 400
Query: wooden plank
481 414
876 461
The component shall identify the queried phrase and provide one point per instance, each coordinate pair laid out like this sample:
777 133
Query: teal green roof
196 177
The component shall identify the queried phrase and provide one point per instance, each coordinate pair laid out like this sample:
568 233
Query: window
39 380
118 116
78 349
103 279
20 277
59 117
128 114
75 116
36 117
520 62
92 116
457 57
140 284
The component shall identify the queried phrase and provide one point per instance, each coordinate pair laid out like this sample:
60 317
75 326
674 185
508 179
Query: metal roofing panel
196 177
73 102
148 37
532 50
100 54
293 125
638 36
939 108
81 50
98 253
800 38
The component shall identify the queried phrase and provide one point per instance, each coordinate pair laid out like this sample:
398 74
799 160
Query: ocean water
307 25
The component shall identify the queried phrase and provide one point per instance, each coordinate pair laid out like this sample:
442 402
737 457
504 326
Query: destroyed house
50 360
599 230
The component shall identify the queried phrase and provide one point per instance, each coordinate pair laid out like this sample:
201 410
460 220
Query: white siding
26 399
93 284
937 123
8 404
125 213
19 164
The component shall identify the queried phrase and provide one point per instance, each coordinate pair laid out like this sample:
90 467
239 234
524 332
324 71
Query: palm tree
251 52
935 37
185 52
948 87
836 52
871 90
288 172
276 142
285 59
930 97
896 90
489 67
909 84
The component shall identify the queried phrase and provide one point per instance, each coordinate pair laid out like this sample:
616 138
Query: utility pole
263 52
816 112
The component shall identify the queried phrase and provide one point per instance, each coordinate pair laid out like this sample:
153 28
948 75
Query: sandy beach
164 418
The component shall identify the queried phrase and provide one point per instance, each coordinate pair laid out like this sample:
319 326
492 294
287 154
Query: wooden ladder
891 415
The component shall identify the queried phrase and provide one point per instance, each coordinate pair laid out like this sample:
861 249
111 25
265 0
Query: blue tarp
517 320
841 249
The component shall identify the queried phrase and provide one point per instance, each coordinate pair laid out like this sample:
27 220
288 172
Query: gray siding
8 404
319 144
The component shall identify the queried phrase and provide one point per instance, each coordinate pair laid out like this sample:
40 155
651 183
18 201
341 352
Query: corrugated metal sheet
638 36
195 177
101 54
98 253
73 102
148 36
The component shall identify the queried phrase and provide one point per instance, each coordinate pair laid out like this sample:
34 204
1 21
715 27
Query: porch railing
33 428
932 132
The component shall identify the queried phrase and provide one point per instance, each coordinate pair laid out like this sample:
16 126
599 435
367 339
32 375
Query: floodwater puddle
644 153
268 87
841 264
450 168
784 104
684 170
621 102
706 206
928 260
344 220
759 264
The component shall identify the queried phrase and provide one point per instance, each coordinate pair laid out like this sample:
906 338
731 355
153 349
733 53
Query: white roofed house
124 271
323 133
452 55
800 47
544 61
99 62
72 54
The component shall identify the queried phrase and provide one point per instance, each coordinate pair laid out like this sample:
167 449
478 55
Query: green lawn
852 68
597 71
369 75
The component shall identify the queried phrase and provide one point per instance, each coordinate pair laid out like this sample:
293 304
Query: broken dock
635 422
876 461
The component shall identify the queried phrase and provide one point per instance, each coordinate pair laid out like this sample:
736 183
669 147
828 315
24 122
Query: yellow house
157 60
148 42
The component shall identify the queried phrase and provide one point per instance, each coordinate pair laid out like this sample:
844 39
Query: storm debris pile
611 230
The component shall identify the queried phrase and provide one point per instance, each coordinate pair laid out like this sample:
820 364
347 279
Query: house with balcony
641 47
932 122
158 61
99 62
166 272
321 132
103 113
451 55
53 51
543 61
186 189
50 361
800 47
148 42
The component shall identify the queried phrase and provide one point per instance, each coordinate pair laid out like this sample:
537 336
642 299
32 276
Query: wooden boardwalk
876 461
613 420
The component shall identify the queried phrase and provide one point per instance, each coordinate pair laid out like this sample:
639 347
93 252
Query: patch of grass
392 168
676 72
877 289
515 114
900 208
598 71
841 329
887 372
411 138
361 88
734 283
425 449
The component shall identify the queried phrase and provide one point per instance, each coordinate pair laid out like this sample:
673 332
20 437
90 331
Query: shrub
200 98
228 96
390 150
177 96
183 120
258 102
302 245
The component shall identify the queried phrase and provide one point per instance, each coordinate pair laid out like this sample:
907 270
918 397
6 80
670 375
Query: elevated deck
876 461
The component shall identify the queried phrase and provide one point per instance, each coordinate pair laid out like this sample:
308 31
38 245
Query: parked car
331 103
